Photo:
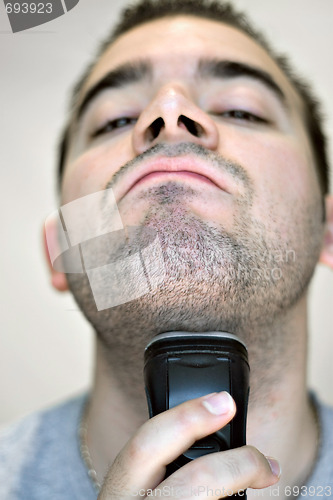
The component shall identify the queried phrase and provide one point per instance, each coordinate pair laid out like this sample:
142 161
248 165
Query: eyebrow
216 68
119 77
131 73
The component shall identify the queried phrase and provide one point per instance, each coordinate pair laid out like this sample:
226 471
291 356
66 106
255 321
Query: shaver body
185 365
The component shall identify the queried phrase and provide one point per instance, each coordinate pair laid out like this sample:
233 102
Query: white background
46 345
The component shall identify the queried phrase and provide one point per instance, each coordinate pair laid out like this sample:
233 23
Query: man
205 139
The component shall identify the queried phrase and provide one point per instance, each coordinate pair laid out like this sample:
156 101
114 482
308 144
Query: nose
172 116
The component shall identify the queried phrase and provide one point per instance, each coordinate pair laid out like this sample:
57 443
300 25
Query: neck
281 420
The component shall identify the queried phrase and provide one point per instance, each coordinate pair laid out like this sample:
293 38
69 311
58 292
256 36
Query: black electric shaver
179 366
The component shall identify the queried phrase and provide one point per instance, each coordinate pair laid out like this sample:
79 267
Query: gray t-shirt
40 458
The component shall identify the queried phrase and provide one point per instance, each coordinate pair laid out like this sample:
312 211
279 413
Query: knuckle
236 465
253 459
233 468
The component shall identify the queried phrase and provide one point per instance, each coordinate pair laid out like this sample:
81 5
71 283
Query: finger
221 475
141 464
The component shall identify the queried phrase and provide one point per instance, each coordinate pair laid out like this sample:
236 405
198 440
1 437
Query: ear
326 256
51 246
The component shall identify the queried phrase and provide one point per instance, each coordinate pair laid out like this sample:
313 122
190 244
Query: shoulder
36 445
321 480
17 437
326 416
16 442
326 413
326 426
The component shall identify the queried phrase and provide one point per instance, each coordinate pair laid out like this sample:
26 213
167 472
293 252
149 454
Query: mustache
234 169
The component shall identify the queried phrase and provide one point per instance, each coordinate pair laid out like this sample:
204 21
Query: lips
167 175
178 168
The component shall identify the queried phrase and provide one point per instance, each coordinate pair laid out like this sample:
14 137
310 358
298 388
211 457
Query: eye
239 114
113 125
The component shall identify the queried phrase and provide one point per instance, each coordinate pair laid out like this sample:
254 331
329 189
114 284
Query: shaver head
185 365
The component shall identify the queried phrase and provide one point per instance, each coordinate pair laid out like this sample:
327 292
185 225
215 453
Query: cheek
91 171
282 174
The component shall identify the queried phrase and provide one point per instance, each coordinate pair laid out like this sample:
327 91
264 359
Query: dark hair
224 12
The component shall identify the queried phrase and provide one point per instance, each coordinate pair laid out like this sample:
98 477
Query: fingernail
275 466
219 404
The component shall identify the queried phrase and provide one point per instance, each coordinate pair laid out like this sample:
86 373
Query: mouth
183 169
160 175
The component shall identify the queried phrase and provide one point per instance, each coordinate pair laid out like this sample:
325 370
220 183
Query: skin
280 196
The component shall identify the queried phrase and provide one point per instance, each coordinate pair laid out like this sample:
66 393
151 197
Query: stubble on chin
214 280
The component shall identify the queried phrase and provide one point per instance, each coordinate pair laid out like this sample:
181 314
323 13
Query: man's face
231 162
276 156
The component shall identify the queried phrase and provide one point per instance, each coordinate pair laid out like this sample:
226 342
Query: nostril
155 127
193 127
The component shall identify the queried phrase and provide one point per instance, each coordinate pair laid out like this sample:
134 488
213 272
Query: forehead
175 44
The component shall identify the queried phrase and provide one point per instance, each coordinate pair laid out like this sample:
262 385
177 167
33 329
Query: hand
139 469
